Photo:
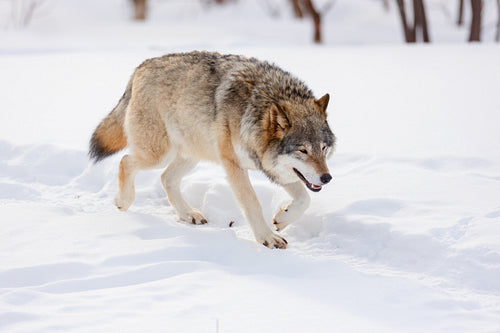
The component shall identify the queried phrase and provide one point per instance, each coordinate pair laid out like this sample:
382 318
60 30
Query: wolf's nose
325 178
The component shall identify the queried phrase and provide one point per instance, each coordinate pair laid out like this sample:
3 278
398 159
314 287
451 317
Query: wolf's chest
246 161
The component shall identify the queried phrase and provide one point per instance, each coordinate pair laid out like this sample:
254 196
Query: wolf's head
300 142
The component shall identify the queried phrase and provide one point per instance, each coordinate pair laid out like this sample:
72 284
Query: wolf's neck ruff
272 84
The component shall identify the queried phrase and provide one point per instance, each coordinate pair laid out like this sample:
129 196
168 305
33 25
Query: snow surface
406 238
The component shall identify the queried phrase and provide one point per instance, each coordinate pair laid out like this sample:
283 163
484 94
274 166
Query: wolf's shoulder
265 79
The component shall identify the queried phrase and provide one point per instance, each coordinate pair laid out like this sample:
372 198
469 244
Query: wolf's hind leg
130 165
171 181
295 208
126 188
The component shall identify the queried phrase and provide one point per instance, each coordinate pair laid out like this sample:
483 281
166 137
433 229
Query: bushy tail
109 137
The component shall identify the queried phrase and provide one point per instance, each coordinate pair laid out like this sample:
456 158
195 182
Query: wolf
242 113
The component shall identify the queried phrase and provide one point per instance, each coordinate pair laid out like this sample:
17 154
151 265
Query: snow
406 238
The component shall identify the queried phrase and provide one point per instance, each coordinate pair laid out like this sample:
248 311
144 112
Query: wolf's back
109 136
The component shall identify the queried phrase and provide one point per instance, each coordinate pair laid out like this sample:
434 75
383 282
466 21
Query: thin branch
296 9
497 36
28 14
460 20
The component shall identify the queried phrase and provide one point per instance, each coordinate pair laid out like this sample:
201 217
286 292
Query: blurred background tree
497 35
140 9
460 19
141 6
480 16
412 15
475 26
307 6
419 30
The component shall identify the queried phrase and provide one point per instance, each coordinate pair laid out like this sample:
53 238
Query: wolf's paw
282 219
273 241
123 202
193 217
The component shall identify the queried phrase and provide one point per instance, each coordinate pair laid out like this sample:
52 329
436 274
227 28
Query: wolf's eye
303 151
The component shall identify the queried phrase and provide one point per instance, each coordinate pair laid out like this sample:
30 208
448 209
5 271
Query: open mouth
312 187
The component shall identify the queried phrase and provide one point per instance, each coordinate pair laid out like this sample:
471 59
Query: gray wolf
240 112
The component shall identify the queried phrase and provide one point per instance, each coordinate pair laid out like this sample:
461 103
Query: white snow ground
405 239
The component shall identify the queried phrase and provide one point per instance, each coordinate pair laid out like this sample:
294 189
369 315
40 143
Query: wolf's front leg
245 194
295 208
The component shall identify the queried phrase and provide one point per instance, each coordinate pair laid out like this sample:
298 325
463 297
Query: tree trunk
420 29
475 26
309 7
460 20
140 10
409 36
420 21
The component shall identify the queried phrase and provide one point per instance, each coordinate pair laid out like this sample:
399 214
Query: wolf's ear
323 102
278 121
